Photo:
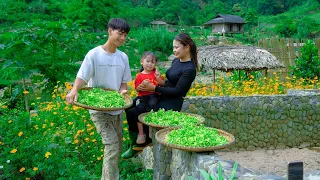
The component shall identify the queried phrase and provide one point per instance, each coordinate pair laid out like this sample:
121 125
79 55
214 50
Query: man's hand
72 96
124 92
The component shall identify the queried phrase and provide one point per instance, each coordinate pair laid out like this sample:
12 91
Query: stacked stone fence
257 122
263 121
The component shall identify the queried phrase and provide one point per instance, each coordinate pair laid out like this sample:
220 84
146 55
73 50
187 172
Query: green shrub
308 65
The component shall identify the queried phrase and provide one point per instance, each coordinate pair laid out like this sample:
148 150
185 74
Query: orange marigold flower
25 92
35 169
20 133
13 151
22 169
27 178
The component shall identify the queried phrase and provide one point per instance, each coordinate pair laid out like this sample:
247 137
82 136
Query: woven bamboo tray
162 135
126 97
158 126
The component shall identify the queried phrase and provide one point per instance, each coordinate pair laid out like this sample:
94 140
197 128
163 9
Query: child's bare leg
141 139
140 128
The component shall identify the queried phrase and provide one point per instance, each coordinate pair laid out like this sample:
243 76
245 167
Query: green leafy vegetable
98 97
170 118
196 136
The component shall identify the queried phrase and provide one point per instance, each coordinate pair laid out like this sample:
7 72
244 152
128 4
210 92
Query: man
106 66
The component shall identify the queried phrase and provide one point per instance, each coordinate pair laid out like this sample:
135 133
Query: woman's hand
146 86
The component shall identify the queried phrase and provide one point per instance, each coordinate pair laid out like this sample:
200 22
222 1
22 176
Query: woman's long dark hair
185 40
148 53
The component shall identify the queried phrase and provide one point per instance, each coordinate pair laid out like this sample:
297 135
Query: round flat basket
159 126
162 135
126 97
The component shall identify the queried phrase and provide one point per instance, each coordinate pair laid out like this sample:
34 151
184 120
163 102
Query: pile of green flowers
170 118
98 97
196 136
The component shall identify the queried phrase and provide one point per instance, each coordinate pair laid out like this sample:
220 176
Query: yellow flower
27 178
13 151
22 169
76 141
47 154
54 112
10 121
94 140
35 169
99 158
123 139
87 139
25 92
3 107
20 133
70 123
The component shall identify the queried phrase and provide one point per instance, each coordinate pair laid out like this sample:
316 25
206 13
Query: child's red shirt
139 79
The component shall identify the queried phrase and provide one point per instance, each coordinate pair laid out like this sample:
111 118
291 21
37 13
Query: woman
179 76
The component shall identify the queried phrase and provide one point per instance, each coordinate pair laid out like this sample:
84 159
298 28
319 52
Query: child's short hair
119 24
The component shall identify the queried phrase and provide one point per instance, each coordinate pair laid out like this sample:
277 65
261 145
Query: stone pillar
162 159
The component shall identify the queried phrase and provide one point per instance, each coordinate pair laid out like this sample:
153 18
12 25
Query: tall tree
95 13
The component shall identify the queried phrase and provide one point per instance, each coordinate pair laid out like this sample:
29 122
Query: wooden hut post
214 76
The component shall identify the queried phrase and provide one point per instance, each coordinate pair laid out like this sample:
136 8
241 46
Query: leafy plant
208 176
308 65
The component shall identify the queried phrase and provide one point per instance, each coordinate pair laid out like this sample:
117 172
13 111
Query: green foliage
157 40
286 28
57 141
52 48
96 14
306 27
308 65
270 7
208 176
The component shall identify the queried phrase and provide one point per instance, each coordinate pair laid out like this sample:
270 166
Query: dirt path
274 161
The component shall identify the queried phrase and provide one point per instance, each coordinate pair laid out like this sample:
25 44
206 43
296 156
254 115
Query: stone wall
257 122
268 122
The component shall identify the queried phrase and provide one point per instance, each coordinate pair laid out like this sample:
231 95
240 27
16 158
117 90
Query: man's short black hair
119 24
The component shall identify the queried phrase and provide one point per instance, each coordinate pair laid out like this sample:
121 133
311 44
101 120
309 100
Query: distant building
225 23
157 24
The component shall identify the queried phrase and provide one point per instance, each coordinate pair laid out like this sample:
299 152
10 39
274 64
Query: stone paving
275 161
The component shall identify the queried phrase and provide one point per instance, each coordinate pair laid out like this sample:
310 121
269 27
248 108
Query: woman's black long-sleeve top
179 79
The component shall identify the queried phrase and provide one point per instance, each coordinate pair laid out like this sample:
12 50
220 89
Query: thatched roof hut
229 58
